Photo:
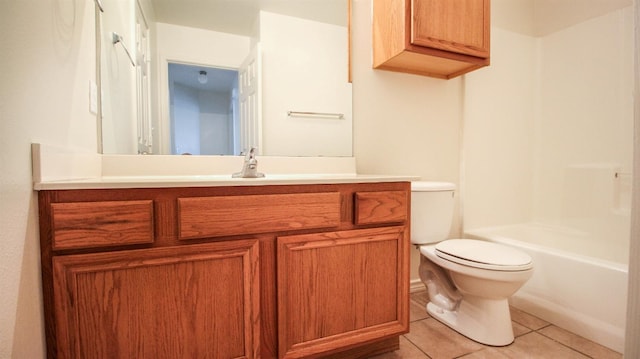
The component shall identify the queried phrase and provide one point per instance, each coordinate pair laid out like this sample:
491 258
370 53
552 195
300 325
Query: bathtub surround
548 144
552 130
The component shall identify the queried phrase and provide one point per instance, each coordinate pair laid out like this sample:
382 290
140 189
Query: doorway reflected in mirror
203 109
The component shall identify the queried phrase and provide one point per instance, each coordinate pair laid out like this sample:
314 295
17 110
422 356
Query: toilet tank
431 211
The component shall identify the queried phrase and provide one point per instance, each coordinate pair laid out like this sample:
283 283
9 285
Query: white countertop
57 168
112 182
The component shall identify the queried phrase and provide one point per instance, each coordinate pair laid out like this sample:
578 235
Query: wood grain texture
456 26
199 301
46 253
381 207
388 30
338 289
101 224
268 298
367 350
431 37
232 215
166 238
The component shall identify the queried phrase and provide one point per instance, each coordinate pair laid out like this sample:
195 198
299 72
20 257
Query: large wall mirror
216 77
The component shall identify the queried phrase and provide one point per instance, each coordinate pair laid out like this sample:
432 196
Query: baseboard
416 285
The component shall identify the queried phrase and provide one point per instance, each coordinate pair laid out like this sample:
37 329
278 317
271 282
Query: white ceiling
218 80
239 16
531 17
553 15
543 17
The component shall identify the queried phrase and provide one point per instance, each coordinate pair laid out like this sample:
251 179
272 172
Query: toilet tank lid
429 186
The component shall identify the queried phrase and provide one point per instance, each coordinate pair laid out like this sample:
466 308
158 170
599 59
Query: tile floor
535 338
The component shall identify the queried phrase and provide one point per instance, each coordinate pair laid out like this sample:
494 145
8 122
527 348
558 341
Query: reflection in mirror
204 113
300 65
125 78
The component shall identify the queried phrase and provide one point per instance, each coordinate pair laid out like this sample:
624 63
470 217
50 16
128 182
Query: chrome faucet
250 166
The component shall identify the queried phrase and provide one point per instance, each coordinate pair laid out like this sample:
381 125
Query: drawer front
101 224
201 217
381 207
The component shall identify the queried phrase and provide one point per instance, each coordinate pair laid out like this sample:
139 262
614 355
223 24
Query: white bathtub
578 283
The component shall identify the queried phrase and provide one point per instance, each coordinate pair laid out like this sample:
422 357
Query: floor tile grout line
529 328
485 347
565 345
416 346
537 330
471 352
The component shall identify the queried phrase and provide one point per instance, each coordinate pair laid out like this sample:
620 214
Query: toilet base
486 321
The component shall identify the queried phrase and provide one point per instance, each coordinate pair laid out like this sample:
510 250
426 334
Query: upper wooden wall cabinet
437 38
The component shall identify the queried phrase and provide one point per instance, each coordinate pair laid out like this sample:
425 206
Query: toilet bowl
469 281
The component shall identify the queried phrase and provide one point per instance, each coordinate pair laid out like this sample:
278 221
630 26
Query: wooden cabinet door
460 26
438 38
340 289
196 301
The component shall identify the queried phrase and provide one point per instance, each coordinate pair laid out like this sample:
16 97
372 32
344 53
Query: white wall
118 79
191 46
48 58
216 126
632 347
304 68
185 120
498 127
585 122
403 124
200 121
549 123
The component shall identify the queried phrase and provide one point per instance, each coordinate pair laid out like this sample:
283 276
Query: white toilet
469 281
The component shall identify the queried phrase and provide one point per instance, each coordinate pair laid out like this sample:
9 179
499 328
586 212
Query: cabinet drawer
201 217
381 207
101 224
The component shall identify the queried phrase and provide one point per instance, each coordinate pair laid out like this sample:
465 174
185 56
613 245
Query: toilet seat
483 255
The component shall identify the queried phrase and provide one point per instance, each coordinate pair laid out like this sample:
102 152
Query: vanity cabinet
438 38
274 271
159 302
338 288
